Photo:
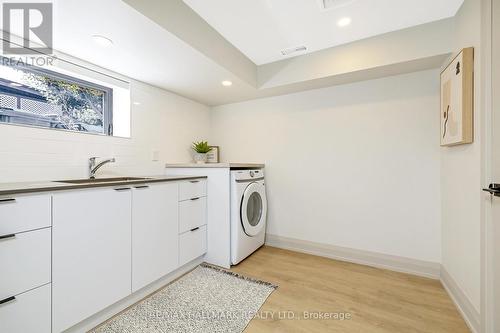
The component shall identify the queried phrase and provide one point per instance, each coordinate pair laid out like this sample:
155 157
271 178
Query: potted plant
200 151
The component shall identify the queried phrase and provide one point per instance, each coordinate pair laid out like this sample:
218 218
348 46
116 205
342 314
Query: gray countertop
48 186
216 165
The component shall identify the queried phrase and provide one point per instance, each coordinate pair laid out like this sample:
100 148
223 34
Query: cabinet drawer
192 214
23 213
192 189
192 244
27 313
25 262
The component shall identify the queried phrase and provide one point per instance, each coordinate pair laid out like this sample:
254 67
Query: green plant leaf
201 147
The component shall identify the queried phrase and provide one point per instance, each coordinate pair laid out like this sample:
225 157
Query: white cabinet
217 185
154 232
25 264
192 244
28 312
91 252
66 256
192 214
24 261
24 213
191 189
192 220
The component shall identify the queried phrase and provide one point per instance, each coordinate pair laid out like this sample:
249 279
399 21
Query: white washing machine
248 213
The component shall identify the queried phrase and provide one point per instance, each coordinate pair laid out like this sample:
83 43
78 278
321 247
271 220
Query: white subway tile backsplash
169 124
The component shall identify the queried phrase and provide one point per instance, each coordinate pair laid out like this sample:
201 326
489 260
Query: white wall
164 121
354 165
461 177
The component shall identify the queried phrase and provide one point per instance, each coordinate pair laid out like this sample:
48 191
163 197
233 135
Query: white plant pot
200 158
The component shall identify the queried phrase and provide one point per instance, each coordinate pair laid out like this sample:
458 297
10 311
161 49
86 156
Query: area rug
208 299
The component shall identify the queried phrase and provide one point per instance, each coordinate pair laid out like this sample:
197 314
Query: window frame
108 96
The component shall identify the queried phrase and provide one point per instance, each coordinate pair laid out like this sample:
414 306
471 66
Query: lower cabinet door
28 312
192 214
24 262
91 246
192 244
154 232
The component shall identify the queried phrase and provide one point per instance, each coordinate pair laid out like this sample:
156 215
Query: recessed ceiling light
289 51
343 22
137 103
227 83
15 84
103 41
334 4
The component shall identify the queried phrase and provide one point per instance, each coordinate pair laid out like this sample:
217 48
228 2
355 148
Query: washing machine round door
253 209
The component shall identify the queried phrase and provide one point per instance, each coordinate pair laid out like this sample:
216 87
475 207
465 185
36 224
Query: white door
493 224
155 240
91 253
253 209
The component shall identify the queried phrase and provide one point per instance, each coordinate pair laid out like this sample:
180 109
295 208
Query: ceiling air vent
334 4
293 50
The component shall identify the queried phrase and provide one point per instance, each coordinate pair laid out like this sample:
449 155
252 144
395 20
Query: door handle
122 189
7 300
7 236
493 189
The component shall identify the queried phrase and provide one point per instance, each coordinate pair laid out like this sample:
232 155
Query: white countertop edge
215 165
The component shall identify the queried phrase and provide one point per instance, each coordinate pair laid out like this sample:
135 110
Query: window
39 97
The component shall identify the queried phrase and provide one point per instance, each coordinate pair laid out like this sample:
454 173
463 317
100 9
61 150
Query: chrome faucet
93 167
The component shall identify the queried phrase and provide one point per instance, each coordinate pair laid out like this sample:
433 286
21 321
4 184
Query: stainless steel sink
102 180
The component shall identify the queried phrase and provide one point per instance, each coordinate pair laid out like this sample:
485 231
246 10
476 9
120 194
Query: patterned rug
208 299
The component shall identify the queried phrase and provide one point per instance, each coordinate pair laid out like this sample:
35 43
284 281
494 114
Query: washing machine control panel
248 174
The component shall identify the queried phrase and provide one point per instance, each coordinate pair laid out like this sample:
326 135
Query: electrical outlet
155 155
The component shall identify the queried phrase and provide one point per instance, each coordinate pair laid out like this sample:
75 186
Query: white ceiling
145 50
142 50
262 28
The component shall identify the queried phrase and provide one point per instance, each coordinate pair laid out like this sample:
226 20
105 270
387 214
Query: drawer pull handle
194 229
7 236
194 181
122 189
7 300
7 200
193 199
142 187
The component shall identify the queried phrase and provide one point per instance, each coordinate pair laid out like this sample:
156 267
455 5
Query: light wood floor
378 300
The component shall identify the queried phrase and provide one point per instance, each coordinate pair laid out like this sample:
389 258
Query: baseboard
467 310
390 262
123 304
